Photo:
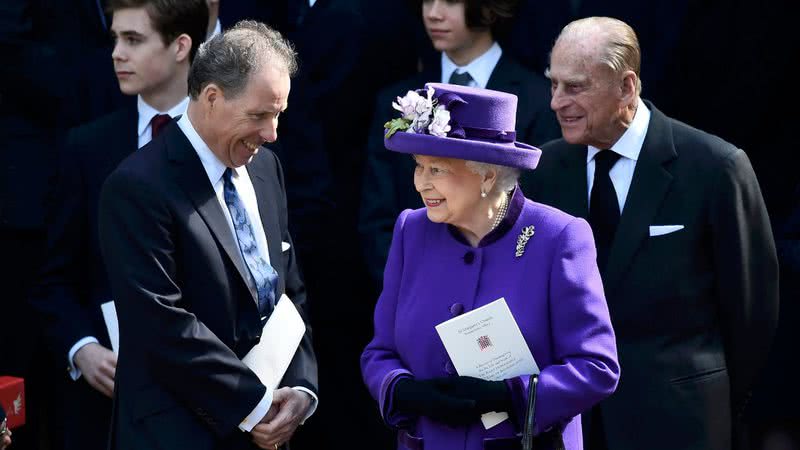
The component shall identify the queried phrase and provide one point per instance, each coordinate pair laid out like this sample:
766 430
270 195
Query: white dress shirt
628 147
146 114
241 180
480 68
145 133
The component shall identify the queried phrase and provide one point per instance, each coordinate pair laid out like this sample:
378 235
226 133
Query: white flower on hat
408 104
441 122
419 114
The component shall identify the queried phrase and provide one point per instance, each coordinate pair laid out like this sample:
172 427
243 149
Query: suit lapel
123 131
130 138
195 182
269 220
505 76
650 183
572 192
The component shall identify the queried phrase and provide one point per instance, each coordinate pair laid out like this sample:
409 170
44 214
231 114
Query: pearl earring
483 193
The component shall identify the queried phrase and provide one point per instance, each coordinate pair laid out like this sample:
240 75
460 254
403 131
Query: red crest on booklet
12 397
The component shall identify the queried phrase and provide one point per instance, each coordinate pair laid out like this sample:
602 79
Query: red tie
158 122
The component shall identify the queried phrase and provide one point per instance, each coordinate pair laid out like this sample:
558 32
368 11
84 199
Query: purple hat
460 122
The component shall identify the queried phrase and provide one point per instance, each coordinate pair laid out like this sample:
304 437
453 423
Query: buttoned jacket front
553 290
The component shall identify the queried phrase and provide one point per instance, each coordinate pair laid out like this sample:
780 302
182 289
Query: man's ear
628 88
211 95
183 47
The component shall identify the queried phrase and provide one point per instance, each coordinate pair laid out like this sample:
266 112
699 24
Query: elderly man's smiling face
587 95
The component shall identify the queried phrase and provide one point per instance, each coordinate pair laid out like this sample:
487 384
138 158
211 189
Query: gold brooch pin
522 239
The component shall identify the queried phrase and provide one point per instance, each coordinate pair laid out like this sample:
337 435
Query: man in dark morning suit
684 247
341 46
193 230
471 56
155 41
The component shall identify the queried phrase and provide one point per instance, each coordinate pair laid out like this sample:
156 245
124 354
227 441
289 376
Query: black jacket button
469 257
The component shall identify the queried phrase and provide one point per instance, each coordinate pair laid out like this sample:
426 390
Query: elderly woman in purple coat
479 239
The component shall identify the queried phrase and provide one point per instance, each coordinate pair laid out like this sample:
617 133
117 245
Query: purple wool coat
553 290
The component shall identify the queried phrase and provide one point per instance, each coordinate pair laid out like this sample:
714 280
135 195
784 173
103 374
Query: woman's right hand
421 397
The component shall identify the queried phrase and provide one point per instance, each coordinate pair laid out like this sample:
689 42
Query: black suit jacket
388 186
73 282
186 315
694 310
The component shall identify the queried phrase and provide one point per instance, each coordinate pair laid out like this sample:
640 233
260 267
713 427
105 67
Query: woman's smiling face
450 190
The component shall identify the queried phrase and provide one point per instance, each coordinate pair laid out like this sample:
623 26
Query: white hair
619 48
506 176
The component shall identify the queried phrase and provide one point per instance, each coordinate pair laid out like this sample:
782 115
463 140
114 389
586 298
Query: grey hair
507 177
621 49
229 59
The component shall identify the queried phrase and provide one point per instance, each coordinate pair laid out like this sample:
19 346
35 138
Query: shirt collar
217 30
480 68
213 166
630 143
147 112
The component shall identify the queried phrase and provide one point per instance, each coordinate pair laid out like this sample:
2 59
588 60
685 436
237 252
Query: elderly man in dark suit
464 33
193 229
155 41
684 247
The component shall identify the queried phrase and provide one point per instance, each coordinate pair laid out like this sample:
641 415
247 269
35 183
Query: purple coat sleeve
381 366
584 348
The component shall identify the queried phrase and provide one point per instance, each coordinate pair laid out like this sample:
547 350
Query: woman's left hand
488 395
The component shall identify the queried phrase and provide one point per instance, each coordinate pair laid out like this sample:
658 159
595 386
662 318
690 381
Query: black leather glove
488 395
420 397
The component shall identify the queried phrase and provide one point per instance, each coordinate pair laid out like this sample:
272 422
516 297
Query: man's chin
127 88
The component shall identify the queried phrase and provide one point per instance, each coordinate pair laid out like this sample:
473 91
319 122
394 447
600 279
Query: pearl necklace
501 212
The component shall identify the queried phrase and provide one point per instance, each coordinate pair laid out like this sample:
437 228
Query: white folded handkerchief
285 246
659 230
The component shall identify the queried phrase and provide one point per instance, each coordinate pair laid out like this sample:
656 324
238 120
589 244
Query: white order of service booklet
280 338
112 324
487 343
269 359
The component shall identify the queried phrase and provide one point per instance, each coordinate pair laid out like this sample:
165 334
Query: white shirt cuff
312 407
74 373
258 412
